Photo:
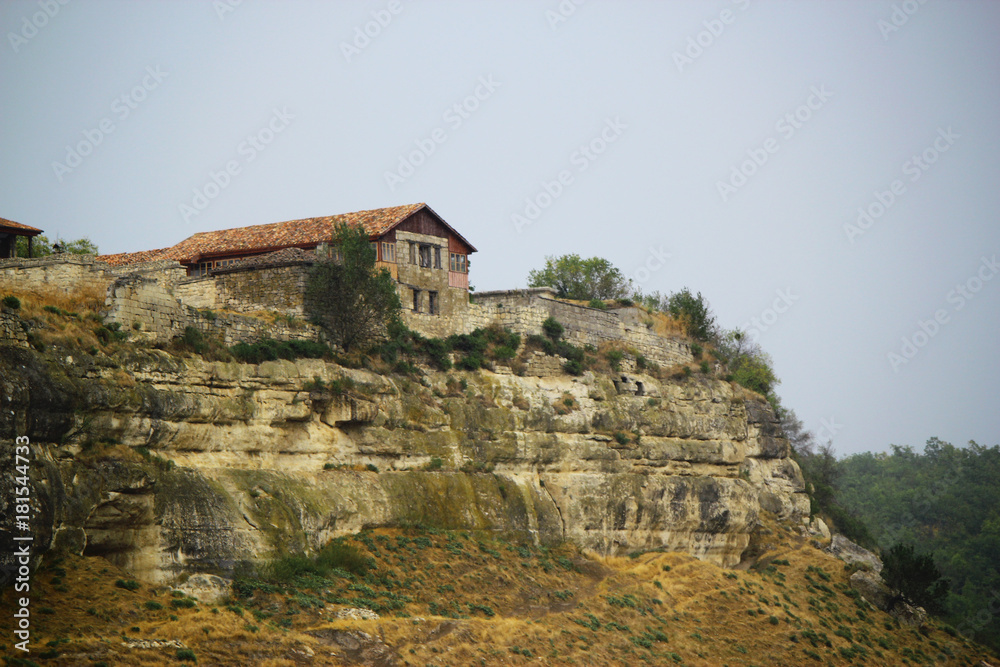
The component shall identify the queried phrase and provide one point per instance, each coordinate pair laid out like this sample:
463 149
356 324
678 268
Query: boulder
206 588
872 588
851 553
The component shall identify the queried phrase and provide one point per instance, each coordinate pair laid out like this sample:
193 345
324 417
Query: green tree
694 312
582 279
352 300
42 247
915 576
749 364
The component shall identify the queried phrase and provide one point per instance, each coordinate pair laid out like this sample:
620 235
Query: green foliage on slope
947 501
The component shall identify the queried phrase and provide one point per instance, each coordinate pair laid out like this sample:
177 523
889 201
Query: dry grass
553 607
71 316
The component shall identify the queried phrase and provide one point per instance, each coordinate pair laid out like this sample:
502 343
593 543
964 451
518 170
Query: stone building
256 268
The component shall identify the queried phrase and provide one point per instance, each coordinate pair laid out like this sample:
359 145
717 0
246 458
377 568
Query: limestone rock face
169 465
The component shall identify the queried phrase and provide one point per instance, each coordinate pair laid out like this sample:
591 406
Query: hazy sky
828 168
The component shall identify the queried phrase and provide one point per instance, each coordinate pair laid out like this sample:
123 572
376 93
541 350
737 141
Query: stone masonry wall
12 334
163 301
146 302
279 288
523 311
70 272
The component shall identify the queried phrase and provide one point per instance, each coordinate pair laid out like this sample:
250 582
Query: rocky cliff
166 464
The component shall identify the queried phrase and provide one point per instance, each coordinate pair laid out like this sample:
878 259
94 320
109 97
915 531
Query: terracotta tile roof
17 226
305 233
127 258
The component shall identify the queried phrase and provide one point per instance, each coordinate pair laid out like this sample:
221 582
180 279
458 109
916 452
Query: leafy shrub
340 555
704 367
434 464
696 350
270 350
152 605
614 358
553 329
127 584
504 353
110 333
621 438
12 302
597 303
184 654
471 362
573 367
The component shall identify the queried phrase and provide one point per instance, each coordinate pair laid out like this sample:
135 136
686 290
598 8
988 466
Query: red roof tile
128 258
255 239
16 227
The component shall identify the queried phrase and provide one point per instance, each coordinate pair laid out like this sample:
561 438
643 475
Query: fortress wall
277 288
163 301
523 311
146 302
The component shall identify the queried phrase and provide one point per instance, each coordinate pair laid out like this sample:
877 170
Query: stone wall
71 272
523 311
12 334
277 288
145 305
57 271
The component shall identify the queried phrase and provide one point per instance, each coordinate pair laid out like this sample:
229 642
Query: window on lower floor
416 301
432 303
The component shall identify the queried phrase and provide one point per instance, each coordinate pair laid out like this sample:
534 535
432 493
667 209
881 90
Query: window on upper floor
459 263
425 256
388 252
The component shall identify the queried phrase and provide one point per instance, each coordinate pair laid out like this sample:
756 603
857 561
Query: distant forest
944 501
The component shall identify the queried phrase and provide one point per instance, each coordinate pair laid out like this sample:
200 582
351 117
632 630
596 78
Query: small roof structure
9 231
17 229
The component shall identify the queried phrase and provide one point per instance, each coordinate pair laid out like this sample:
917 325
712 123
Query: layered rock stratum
167 465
